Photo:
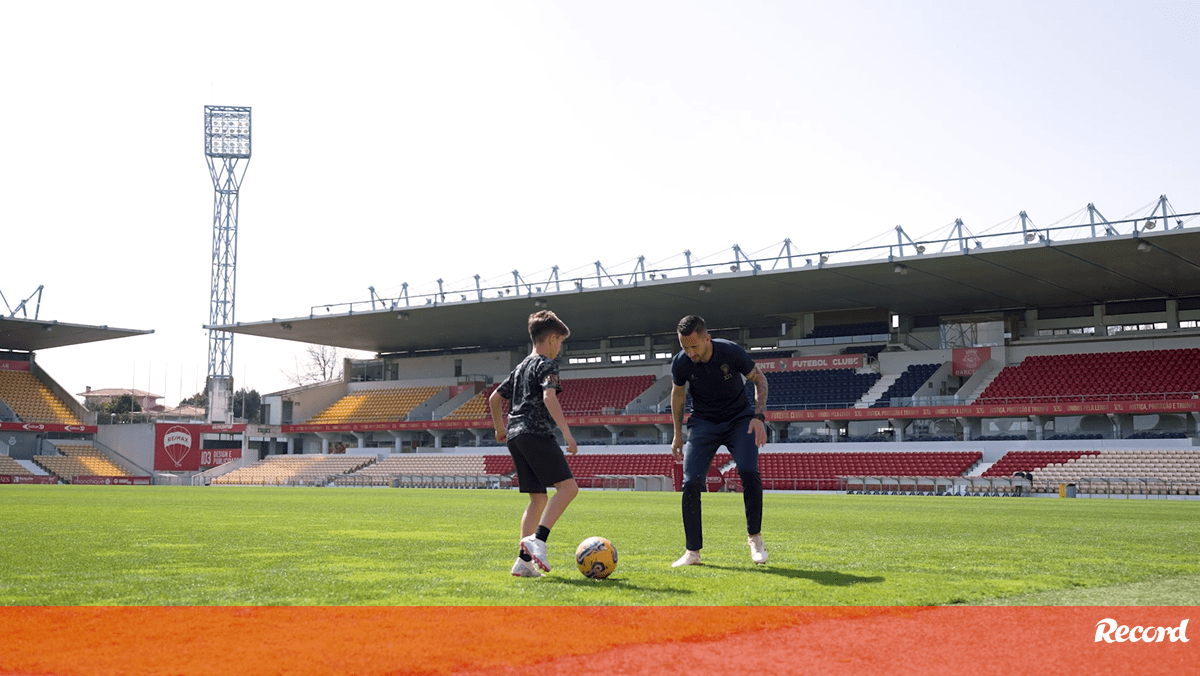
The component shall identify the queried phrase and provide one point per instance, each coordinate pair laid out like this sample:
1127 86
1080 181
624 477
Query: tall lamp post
226 145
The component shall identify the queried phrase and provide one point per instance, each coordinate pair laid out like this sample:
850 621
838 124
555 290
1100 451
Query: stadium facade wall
436 368
20 445
135 442
305 402
1047 346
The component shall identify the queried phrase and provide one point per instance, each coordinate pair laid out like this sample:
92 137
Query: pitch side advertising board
46 427
111 480
177 447
26 479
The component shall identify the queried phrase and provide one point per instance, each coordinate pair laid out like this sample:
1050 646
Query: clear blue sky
411 141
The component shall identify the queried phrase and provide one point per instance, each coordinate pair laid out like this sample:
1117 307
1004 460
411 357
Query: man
712 369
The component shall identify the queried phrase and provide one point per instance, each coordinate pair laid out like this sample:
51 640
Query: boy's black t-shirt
717 388
524 387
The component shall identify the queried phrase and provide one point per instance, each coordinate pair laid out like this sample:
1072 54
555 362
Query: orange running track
327 641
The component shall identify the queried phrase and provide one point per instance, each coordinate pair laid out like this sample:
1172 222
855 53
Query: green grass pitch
95 545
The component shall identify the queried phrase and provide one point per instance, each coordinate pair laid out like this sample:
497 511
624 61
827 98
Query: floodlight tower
226 144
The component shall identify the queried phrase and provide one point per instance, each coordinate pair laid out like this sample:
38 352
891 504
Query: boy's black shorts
539 461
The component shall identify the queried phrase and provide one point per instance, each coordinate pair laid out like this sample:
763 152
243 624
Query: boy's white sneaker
536 549
758 553
523 568
689 558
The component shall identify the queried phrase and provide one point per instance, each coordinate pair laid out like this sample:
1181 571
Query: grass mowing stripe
1171 591
99 545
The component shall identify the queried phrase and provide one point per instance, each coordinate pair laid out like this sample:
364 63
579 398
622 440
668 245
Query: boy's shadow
617 581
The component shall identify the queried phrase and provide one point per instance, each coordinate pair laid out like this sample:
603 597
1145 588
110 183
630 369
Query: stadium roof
31 335
1038 274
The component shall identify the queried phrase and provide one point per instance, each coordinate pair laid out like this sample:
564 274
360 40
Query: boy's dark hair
543 323
690 324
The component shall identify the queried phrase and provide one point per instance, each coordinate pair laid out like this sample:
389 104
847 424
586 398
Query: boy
532 389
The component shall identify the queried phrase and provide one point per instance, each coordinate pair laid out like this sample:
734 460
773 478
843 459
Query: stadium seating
580 396
474 408
819 471
1028 461
1141 472
596 396
79 460
597 470
498 464
907 384
292 470
382 405
381 473
834 388
1103 376
32 401
12 467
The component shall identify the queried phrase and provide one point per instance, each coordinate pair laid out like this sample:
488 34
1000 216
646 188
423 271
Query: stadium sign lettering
1109 631
812 363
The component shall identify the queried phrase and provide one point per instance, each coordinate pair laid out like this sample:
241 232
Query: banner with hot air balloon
177 447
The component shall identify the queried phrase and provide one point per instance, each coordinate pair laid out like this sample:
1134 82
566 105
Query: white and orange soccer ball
596 558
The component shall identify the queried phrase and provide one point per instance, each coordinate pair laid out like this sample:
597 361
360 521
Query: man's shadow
826 578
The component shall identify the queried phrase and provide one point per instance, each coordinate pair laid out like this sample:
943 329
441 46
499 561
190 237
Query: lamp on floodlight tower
226 145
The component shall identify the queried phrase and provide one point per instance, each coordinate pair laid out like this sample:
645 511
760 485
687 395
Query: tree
247 404
123 404
198 399
322 363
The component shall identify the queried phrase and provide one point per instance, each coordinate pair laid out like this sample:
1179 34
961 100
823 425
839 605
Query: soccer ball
596 558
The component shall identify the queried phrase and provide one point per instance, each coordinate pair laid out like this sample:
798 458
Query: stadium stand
1027 461
595 396
294 470
820 471
1153 435
580 396
79 460
12 467
602 470
474 408
380 405
1125 472
834 388
1100 376
907 384
426 471
32 401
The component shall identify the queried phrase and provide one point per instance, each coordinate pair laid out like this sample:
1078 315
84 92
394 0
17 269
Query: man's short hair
690 324
544 323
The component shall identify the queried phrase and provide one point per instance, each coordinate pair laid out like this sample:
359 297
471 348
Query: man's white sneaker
523 568
758 553
536 549
689 558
